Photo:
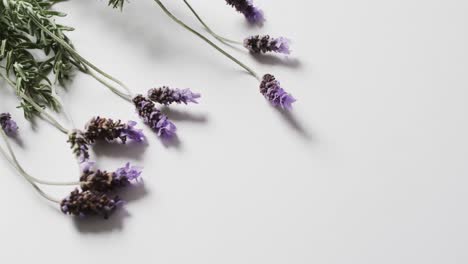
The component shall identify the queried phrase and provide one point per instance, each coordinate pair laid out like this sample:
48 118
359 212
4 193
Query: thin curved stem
27 175
218 37
39 190
28 99
127 97
74 52
178 21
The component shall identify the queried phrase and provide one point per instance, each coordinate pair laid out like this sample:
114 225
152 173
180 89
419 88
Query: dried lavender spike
246 7
166 96
153 117
79 145
99 128
264 44
271 89
103 181
88 203
8 125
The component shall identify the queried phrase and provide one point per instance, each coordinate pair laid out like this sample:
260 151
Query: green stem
24 173
15 164
168 13
124 96
83 60
218 37
28 99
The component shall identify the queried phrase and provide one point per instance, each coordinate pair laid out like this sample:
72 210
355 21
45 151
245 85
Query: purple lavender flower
8 125
271 89
103 181
99 128
154 118
264 44
246 7
128 172
132 133
166 96
87 203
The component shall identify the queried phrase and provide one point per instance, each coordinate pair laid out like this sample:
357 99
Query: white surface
370 168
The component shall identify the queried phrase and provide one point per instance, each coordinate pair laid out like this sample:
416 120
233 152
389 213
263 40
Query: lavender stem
18 166
12 162
49 118
83 60
168 13
218 37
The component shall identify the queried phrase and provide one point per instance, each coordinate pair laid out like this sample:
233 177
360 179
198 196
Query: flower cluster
7 124
93 197
271 89
106 129
246 7
166 96
154 117
103 181
263 44
88 203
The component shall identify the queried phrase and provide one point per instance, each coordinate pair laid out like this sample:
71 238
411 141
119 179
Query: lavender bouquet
36 57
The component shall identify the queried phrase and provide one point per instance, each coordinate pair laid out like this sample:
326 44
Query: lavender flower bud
166 96
87 203
264 44
107 129
246 7
153 117
271 89
79 145
8 125
102 181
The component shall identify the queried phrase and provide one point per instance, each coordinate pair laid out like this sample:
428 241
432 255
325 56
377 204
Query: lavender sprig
8 125
271 89
166 96
263 44
99 128
103 181
88 203
246 7
154 117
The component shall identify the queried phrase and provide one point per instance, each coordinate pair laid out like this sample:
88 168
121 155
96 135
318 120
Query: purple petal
130 172
132 133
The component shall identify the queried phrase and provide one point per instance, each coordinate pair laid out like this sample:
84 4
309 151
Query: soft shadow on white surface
295 123
178 115
276 59
97 225
134 150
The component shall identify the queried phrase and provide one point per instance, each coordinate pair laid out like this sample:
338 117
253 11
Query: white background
370 167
